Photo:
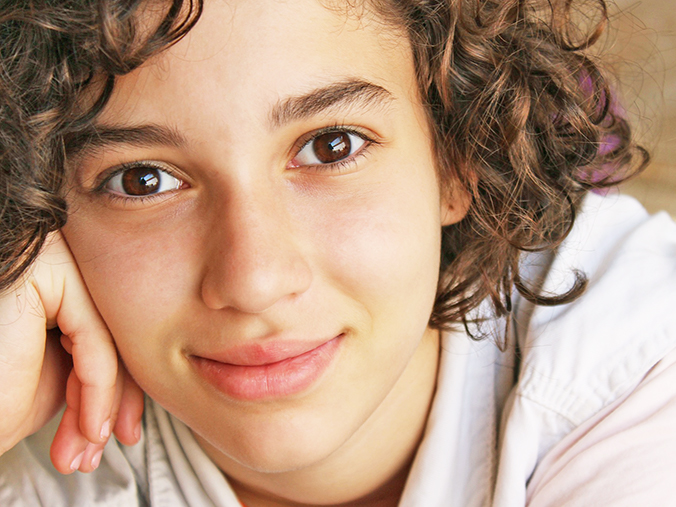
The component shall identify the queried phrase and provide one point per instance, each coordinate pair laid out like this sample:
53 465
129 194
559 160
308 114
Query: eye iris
141 181
332 146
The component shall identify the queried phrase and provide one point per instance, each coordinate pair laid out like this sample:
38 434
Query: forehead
255 53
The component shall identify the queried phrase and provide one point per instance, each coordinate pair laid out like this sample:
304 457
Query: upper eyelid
105 176
305 139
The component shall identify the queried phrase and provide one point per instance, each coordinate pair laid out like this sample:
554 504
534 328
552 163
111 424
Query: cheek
381 246
139 283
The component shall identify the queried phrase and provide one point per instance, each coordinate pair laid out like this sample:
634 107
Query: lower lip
283 378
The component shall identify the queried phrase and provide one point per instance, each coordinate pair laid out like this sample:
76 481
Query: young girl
341 247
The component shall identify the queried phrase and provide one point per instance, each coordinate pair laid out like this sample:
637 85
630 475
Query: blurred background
640 48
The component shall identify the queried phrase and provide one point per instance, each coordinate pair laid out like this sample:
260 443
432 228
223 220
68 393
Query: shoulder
596 348
595 363
621 456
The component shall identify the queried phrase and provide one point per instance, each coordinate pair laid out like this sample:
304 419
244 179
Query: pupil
141 180
332 146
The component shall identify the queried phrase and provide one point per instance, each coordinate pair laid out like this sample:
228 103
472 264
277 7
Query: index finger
68 304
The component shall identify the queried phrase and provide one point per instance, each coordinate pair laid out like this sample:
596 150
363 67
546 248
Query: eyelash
342 165
106 178
337 167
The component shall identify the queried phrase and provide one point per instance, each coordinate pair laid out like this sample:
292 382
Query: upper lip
265 352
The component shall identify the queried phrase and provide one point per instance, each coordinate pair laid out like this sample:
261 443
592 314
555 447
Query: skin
254 242
38 374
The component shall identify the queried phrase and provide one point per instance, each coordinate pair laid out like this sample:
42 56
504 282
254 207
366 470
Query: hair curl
52 52
524 123
523 120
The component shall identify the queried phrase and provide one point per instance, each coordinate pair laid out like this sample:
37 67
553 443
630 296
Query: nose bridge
254 258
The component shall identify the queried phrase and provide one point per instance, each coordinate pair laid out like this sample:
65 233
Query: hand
100 395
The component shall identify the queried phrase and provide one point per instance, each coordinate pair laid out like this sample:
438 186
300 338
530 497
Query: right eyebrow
94 138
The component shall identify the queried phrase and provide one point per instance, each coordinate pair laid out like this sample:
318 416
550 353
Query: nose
253 259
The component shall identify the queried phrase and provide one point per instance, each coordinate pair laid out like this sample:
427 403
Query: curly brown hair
53 53
523 119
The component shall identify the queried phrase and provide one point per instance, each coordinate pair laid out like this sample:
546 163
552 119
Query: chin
271 450
267 440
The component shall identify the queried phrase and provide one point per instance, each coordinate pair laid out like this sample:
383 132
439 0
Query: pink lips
257 372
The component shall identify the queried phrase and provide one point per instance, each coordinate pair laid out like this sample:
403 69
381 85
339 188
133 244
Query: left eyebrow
341 94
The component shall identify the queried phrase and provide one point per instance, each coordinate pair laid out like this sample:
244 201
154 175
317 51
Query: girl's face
258 221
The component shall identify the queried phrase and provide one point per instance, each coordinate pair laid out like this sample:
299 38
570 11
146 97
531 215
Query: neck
387 495
371 468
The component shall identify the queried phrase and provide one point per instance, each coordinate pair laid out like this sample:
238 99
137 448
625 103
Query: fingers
128 426
35 366
97 388
71 450
67 303
94 360
130 400
69 445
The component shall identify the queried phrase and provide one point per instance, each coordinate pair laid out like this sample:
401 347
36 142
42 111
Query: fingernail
77 461
97 459
137 431
105 430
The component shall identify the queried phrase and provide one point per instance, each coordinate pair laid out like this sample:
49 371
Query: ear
455 202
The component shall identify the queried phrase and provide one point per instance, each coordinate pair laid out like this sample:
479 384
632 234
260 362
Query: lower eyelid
125 202
342 166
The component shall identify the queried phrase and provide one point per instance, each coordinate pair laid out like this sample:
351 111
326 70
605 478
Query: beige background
642 51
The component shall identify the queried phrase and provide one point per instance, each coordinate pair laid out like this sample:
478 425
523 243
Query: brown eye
142 180
332 146
329 148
